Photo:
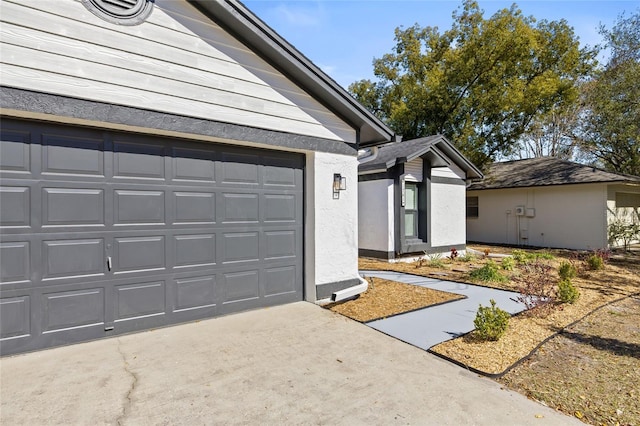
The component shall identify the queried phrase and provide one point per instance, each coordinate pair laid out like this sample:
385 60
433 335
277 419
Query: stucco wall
447 215
375 215
568 216
331 225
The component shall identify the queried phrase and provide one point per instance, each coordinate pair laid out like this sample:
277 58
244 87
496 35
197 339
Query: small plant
567 292
468 257
435 260
595 262
489 272
486 252
491 322
521 256
454 254
567 271
508 263
537 288
545 255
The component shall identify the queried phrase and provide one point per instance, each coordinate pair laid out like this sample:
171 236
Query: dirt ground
385 298
570 388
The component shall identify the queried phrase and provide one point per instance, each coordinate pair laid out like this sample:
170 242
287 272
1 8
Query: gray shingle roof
545 171
441 151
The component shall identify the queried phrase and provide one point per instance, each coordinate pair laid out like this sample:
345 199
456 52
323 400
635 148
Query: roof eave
239 20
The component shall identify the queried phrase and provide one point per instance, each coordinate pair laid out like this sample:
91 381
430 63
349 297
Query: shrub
567 292
468 257
491 322
489 272
595 262
543 255
508 263
537 288
567 271
521 256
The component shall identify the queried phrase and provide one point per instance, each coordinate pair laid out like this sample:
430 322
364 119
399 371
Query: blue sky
344 36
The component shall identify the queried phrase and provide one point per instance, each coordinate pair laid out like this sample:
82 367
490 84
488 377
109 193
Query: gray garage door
105 233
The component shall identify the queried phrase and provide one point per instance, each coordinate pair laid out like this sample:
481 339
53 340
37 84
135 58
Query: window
411 210
472 206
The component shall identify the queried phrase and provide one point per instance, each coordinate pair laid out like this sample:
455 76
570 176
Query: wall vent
122 12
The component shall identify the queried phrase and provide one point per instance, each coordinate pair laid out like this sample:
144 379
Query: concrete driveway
293 364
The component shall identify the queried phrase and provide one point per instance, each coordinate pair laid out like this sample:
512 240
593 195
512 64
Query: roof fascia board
245 25
460 160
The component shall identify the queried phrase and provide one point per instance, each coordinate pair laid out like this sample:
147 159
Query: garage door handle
109 262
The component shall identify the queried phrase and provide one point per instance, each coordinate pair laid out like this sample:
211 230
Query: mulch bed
386 298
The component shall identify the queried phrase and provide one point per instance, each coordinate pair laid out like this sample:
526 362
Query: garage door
105 233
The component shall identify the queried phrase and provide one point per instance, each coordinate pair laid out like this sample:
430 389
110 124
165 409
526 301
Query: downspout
351 291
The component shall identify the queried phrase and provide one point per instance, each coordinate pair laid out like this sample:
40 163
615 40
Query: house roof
436 148
546 171
251 30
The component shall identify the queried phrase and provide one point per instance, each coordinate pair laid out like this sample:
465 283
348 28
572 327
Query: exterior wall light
339 184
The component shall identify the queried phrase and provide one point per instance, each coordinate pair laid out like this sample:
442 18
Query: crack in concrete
128 400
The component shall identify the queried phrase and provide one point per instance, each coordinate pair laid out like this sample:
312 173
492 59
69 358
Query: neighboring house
546 202
412 198
164 161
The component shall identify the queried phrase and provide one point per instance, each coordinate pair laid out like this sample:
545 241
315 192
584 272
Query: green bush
491 322
508 263
489 272
567 271
521 256
543 255
468 257
595 262
567 292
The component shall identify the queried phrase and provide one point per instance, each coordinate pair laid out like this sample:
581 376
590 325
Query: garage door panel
16 265
73 258
239 208
16 206
139 207
15 151
241 286
138 160
15 317
279 281
72 207
194 165
194 207
280 208
194 250
280 244
240 247
139 300
195 293
68 155
73 309
139 254
279 176
240 169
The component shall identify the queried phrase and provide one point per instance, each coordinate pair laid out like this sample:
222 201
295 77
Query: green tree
610 131
480 83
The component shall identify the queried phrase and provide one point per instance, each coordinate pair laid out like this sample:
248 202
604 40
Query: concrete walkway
289 365
428 327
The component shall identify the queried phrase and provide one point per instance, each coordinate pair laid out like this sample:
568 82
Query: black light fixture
339 184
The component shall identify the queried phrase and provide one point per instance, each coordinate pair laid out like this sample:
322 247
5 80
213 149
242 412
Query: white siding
568 216
177 62
451 171
413 170
375 215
